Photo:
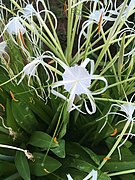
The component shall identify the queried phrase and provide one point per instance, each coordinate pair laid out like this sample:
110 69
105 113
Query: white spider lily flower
92 175
129 10
130 7
31 71
36 18
15 26
16 30
127 108
77 81
127 111
69 177
30 11
97 17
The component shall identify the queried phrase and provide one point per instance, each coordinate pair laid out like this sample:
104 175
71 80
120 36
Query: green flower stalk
128 110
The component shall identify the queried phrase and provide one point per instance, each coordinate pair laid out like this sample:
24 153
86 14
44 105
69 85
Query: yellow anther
106 158
115 132
55 140
13 97
3 107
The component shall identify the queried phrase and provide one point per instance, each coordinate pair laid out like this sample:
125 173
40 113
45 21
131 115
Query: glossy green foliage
40 168
60 149
22 165
24 116
42 140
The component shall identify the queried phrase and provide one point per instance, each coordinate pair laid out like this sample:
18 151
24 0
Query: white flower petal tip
128 108
92 175
30 69
2 46
69 177
28 10
14 26
129 8
77 81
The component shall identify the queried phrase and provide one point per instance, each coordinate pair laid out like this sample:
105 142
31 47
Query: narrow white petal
2 46
21 79
71 98
77 108
93 107
59 83
92 102
85 62
92 67
58 94
92 174
82 32
69 177
102 79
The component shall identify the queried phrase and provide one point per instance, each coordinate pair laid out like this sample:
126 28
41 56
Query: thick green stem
115 145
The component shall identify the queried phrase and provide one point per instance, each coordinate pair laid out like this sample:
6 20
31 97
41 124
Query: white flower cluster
76 79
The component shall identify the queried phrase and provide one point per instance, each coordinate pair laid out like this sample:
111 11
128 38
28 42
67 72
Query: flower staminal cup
77 81
14 26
